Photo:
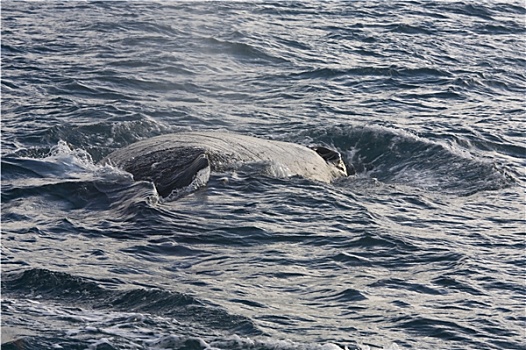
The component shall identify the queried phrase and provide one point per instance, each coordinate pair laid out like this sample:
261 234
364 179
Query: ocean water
424 248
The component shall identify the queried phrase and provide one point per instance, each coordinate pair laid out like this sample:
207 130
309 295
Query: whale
175 161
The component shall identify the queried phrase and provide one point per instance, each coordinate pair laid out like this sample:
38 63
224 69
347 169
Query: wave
82 312
395 156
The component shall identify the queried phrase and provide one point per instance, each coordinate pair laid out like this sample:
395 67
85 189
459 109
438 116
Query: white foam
74 158
65 162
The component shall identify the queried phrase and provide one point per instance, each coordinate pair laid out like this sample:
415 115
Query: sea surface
424 248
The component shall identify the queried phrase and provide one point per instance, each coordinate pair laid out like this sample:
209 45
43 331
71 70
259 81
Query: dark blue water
424 248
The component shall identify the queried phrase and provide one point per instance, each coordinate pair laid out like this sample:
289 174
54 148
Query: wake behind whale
174 161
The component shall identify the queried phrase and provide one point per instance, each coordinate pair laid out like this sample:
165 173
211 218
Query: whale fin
197 170
332 157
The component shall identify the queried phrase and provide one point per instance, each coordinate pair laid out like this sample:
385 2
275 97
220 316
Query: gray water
424 248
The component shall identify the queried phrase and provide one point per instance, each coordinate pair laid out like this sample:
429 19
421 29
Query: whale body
173 161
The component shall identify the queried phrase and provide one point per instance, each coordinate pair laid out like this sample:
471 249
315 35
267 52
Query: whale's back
163 156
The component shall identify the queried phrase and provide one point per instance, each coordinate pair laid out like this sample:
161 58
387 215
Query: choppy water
424 248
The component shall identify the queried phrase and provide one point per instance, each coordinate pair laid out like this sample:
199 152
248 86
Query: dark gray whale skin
172 161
